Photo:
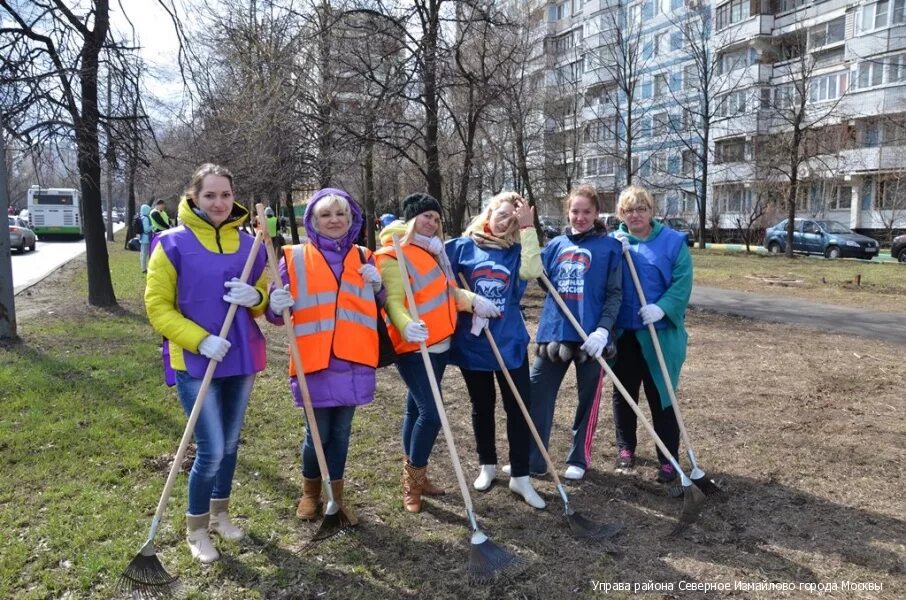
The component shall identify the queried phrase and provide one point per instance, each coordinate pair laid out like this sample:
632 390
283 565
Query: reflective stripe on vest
330 317
433 296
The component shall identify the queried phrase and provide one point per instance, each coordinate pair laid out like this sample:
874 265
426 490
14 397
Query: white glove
651 313
415 332
478 324
596 342
241 293
483 307
623 239
214 347
281 300
371 275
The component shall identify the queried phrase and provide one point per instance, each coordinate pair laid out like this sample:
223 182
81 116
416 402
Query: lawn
805 438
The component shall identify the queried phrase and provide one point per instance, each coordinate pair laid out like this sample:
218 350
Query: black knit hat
416 204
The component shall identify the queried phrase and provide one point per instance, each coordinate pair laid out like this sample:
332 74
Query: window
897 68
827 87
785 5
732 12
786 96
765 98
661 42
676 40
730 151
661 89
891 194
880 13
733 60
841 198
688 119
733 198
731 104
688 159
827 33
690 77
635 15
660 123
870 74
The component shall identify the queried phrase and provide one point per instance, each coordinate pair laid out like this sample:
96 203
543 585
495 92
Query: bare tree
51 56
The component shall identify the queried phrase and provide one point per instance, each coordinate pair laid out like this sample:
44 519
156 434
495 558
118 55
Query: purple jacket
342 383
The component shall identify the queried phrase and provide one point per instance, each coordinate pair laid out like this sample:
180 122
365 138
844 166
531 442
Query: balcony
744 31
872 160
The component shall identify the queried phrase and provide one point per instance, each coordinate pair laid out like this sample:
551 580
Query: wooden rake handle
435 389
616 382
296 358
199 399
517 395
657 350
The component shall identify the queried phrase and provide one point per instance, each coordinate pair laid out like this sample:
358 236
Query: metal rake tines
146 578
584 528
488 562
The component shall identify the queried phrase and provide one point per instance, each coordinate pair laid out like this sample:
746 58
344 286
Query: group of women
464 291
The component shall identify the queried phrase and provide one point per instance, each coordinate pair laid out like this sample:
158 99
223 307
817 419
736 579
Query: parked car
830 238
20 236
610 220
551 226
898 248
681 225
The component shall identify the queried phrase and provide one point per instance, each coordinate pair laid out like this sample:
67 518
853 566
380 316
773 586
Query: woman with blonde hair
438 300
664 266
498 254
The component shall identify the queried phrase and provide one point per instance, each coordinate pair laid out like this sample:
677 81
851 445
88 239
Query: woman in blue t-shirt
585 267
497 255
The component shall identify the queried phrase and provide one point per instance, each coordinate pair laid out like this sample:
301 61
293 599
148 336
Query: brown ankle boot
413 484
429 489
310 502
337 488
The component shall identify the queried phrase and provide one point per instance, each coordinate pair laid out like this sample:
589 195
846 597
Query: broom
697 475
335 520
487 560
692 496
145 576
580 526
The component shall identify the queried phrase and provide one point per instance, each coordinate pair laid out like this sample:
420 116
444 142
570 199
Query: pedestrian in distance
192 280
498 254
664 266
160 220
437 300
330 284
144 236
584 266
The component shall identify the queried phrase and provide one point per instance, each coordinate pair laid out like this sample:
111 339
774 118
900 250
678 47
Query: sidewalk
890 327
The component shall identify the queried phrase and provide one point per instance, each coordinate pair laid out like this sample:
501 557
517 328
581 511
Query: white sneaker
485 479
199 543
523 487
221 524
506 469
573 472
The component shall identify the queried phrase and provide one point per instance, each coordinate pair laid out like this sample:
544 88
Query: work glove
415 332
483 307
651 313
623 239
371 275
281 300
478 324
214 347
241 293
596 342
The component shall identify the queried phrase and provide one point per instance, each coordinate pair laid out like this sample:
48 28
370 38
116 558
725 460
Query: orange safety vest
433 294
330 316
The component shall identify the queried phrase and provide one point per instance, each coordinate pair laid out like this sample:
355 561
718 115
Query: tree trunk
291 215
7 296
370 217
100 285
432 153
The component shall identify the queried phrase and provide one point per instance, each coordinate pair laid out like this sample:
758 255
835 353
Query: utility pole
7 298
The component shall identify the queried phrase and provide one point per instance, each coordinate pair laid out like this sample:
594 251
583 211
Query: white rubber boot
506 469
220 520
486 478
197 535
523 487
574 473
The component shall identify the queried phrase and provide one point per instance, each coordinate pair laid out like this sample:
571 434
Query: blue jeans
216 435
334 426
546 377
421 422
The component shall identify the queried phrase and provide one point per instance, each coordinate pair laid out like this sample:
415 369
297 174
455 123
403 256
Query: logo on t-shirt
572 264
492 281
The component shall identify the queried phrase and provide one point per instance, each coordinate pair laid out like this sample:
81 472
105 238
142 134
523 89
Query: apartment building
634 86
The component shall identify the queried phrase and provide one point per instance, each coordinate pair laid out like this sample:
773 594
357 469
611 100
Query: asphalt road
890 327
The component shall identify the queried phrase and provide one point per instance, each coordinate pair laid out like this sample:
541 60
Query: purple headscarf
323 242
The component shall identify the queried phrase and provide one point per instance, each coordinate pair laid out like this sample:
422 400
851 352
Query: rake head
488 561
693 498
584 528
332 525
146 578
708 486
